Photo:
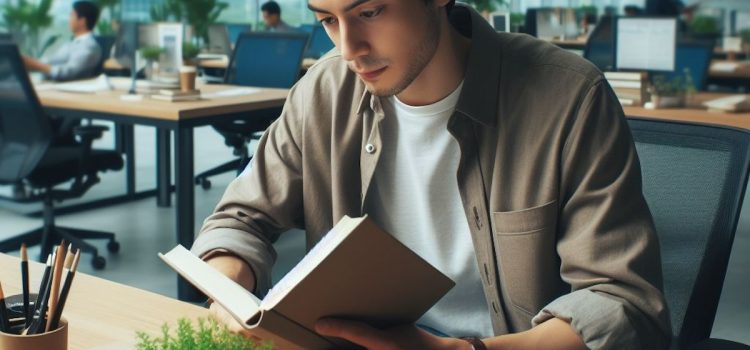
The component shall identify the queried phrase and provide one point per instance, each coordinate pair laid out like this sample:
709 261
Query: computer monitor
693 59
319 42
741 21
218 39
556 23
645 43
599 47
234 31
500 21
127 44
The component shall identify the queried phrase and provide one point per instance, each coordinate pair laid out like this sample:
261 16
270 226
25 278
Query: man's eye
371 13
327 21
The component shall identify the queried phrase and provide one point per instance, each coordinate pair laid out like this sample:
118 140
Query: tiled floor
143 229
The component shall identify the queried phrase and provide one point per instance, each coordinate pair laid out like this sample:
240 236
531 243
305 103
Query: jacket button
370 148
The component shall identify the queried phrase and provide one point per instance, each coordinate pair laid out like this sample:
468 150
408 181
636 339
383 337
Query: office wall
520 6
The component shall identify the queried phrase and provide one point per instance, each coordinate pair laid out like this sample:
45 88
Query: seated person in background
79 58
272 17
504 161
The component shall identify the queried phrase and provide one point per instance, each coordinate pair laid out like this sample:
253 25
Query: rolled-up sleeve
601 321
264 201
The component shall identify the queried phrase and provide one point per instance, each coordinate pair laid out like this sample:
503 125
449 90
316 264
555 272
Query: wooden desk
104 314
694 114
574 44
180 117
741 72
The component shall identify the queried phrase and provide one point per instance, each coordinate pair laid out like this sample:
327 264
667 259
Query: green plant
678 85
26 20
517 20
208 336
190 51
485 6
704 25
745 35
151 53
112 8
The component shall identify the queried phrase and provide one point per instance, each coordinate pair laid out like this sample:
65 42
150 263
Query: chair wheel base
98 262
204 182
113 246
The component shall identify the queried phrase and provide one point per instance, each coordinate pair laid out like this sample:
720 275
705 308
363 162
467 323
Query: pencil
65 290
4 320
25 283
43 286
55 290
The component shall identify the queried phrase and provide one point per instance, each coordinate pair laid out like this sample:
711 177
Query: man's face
271 19
76 23
386 42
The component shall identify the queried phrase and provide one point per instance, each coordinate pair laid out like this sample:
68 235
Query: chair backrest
696 57
105 43
599 47
694 179
234 31
25 130
319 43
266 59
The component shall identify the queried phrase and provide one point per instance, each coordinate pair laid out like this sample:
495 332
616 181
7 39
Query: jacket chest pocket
529 266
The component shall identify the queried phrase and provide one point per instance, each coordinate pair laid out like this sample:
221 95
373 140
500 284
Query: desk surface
741 71
103 314
694 114
112 64
110 102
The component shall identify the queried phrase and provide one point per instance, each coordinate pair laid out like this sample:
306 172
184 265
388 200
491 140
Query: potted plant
705 27
199 14
25 20
190 52
151 54
672 93
208 335
105 26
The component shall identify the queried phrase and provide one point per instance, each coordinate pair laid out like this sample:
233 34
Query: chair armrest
89 132
718 344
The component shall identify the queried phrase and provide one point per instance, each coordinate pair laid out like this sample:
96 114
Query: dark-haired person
272 17
504 161
77 59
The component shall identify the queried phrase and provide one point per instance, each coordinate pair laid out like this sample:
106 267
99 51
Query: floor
143 229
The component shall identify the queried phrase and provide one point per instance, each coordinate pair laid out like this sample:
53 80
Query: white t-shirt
414 196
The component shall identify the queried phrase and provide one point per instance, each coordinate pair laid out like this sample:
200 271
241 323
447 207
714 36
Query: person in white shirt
78 59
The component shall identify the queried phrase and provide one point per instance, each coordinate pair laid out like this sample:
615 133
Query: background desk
180 117
102 313
694 113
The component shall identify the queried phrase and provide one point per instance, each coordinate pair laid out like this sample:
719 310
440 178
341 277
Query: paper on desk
100 83
230 93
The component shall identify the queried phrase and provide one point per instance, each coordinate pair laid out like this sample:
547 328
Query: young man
79 58
502 160
272 17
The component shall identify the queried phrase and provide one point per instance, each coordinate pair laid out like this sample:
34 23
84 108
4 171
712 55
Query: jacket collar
479 95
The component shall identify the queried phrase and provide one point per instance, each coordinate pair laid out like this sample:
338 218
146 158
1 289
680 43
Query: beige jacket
548 176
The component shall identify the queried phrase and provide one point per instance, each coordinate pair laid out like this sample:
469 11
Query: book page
242 304
312 259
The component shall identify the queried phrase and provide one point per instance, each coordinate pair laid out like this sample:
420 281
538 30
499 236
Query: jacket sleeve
264 201
607 243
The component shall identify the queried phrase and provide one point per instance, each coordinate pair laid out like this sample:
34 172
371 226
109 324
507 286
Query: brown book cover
357 271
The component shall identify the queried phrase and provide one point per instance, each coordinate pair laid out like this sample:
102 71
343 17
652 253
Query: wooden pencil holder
53 340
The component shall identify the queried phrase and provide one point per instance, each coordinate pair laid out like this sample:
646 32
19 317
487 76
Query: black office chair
599 47
26 155
694 180
261 60
105 43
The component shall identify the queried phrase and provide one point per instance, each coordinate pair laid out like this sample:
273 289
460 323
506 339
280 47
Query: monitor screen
600 45
645 43
500 22
741 21
127 44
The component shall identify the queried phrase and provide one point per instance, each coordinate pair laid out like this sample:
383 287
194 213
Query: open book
357 271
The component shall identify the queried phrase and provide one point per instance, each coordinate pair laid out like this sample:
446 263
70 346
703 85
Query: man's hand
396 338
34 65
